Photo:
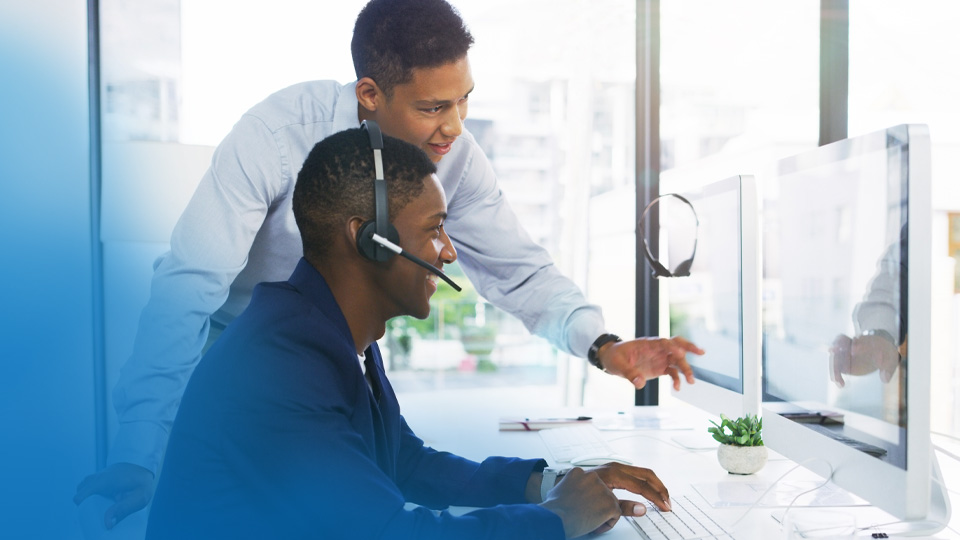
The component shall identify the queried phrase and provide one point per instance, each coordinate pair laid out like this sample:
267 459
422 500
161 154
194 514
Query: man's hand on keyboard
641 359
635 480
586 505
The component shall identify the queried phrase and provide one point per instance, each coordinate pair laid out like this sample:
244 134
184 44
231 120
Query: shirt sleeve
326 486
881 306
208 248
509 269
440 479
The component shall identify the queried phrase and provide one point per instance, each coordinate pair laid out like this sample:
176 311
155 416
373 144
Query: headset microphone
378 239
399 251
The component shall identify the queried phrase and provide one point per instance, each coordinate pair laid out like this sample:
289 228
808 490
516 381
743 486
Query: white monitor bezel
712 398
905 493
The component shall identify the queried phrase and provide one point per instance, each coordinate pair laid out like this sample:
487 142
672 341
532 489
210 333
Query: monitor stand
938 516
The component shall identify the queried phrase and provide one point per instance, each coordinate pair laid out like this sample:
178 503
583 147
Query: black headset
378 240
659 270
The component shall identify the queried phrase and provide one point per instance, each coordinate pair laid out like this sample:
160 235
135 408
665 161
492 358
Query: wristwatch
600 342
551 477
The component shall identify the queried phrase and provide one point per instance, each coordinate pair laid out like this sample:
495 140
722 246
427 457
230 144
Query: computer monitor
716 306
846 318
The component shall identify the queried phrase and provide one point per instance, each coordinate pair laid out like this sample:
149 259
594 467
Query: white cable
940 483
946 452
877 526
774 484
782 476
945 435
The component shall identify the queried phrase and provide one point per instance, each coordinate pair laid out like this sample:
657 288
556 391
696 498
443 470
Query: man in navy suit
289 427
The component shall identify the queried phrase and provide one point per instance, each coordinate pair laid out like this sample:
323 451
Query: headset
378 240
659 270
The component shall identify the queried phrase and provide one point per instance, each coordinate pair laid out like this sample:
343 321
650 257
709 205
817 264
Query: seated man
281 434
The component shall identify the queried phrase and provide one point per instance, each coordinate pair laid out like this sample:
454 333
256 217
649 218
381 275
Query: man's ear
352 228
369 94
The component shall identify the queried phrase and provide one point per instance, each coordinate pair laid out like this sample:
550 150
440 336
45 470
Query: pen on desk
577 419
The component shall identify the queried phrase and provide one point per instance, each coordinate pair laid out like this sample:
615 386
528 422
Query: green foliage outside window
452 316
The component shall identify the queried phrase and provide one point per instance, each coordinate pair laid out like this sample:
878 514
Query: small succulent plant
744 431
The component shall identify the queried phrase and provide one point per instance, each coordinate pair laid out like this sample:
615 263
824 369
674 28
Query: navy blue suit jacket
279 436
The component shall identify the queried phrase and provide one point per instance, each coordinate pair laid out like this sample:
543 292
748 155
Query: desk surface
471 430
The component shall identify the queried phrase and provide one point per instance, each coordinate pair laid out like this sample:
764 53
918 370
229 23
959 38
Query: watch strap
595 348
880 332
551 477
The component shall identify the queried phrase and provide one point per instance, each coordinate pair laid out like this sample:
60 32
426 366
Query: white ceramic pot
742 459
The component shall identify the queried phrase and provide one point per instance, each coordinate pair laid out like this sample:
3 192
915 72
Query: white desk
472 431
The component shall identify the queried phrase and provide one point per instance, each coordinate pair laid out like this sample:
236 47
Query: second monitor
710 232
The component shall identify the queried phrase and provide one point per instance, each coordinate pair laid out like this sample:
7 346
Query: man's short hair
393 37
336 183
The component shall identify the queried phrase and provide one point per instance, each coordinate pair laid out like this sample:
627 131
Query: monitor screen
712 228
846 326
834 279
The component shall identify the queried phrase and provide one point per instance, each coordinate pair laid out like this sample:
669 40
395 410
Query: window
556 122
904 61
738 86
738 83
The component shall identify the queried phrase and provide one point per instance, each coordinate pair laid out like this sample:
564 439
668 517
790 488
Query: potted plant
741 446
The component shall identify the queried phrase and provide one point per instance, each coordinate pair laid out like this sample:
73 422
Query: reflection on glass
835 292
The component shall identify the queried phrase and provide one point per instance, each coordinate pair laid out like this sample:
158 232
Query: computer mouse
592 460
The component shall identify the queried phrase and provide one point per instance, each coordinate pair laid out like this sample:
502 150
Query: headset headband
659 270
381 205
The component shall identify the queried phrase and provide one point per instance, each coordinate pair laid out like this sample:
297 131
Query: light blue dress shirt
238 230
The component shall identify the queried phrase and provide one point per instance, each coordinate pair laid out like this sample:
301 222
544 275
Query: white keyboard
566 443
686 522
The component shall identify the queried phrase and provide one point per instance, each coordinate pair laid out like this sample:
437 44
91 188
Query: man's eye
434 109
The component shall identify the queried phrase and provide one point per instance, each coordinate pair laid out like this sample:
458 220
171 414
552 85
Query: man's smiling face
420 226
429 110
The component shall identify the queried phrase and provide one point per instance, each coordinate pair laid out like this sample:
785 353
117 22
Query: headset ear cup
369 248
683 269
365 244
659 270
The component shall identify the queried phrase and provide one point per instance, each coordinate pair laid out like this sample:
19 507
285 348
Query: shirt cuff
875 316
139 443
585 328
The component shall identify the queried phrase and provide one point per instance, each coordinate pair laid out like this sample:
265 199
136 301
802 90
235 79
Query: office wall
46 326
145 187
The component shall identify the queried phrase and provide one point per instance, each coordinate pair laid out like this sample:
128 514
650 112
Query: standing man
238 230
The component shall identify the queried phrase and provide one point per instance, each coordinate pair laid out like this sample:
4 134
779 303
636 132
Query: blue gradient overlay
46 322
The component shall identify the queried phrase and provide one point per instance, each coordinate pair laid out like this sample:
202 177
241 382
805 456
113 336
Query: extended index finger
686 345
